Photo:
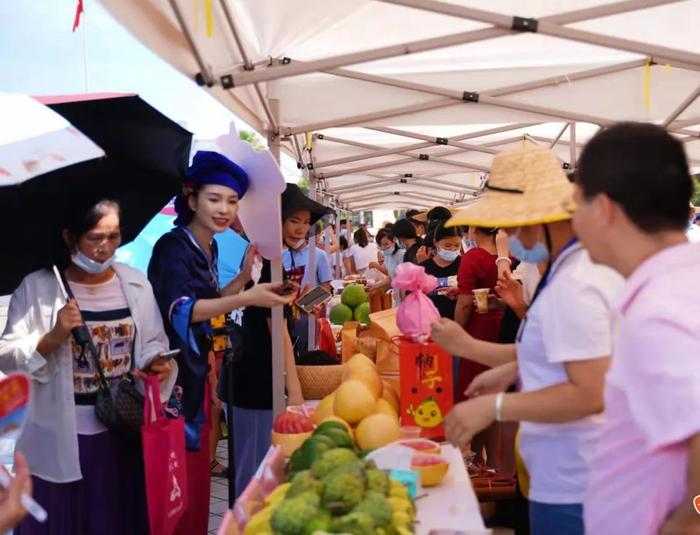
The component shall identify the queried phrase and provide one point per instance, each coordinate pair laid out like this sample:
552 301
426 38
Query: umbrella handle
81 334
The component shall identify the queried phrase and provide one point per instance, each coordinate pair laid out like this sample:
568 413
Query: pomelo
353 296
353 401
362 313
339 314
324 409
367 376
376 431
390 395
359 360
340 421
383 406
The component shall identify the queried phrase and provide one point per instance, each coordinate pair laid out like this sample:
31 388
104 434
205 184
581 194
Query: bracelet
499 405
510 262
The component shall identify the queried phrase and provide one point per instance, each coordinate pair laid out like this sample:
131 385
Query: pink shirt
652 398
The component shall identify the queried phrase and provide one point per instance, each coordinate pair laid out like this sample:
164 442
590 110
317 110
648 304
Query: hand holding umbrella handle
81 334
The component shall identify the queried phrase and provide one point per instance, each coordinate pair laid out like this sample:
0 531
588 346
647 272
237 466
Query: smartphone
314 297
169 355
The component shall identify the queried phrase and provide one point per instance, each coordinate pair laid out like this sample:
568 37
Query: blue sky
40 55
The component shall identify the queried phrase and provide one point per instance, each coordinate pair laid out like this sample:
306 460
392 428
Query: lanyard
211 263
548 274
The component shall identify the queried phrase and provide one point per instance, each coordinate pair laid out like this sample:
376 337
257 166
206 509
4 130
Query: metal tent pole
277 321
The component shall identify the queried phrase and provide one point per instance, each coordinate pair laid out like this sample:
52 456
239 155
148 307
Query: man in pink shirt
632 196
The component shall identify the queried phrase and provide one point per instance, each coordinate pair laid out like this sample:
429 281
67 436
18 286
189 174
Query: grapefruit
324 409
362 313
359 360
353 401
367 376
339 314
390 395
353 296
384 407
432 469
376 431
340 421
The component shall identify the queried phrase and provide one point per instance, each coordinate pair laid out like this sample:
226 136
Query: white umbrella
35 140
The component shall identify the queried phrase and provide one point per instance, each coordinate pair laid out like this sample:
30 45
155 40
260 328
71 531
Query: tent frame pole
502 23
554 142
572 146
248 64
204 70
544 26
380 152
681 107
278 323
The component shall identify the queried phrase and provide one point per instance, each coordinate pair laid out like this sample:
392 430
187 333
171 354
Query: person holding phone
183 271
252 373
87 478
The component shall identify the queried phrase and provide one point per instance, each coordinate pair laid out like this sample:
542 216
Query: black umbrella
146 159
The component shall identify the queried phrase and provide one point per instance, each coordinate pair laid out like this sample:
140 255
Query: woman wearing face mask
87 478
444 265
477 269
183 271
562 350
393 255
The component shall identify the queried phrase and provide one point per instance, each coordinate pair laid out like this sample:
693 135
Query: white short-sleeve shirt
569 321
363 256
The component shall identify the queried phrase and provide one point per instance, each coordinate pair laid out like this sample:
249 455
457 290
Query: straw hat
527 186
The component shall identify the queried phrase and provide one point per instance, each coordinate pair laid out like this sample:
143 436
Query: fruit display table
452 505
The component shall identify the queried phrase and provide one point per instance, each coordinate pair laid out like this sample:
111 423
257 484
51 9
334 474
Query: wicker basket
319 381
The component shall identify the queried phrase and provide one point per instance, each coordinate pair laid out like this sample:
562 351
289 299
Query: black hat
294 200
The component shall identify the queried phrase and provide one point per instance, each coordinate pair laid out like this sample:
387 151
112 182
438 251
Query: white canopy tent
407 100
402 103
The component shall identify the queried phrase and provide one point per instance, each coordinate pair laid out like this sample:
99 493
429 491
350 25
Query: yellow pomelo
367 376
383 406
359 360
324 409
339 420
353 401
390 395
376 431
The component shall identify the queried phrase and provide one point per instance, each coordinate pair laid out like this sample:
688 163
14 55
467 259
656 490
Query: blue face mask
402 245
470 244
90 266
536 255
447 256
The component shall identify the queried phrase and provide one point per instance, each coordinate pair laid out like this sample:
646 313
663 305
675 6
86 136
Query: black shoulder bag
119 408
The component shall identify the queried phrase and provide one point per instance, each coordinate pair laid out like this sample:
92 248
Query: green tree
696 193
252 138
304 185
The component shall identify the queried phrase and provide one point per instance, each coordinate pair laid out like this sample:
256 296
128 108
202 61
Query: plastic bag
417 312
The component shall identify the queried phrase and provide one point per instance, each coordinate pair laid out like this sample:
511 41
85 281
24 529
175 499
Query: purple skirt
109 500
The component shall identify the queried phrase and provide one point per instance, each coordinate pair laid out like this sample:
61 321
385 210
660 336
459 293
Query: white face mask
447 256
91 266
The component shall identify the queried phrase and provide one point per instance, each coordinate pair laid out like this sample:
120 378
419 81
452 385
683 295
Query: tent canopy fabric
406 101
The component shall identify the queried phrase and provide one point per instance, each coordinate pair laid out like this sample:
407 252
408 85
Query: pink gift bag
164 463
417 312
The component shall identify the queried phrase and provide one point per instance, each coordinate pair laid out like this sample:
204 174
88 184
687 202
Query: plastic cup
482 300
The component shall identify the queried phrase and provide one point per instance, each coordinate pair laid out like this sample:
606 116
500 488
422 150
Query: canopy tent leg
682 107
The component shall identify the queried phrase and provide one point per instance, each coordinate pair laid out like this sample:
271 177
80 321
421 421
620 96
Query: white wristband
499 405
510 262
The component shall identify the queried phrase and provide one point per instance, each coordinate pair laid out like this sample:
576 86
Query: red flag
78 12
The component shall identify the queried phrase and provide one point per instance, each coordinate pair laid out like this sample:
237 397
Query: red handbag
164 463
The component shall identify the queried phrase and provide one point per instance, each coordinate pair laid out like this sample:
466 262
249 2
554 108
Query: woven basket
319 381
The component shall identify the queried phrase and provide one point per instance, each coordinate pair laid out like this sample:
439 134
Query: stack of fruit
331 489
354 305
365 403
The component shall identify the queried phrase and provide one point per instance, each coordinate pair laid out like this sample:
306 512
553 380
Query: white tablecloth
453 504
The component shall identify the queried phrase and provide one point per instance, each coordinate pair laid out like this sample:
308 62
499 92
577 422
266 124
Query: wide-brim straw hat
526 186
